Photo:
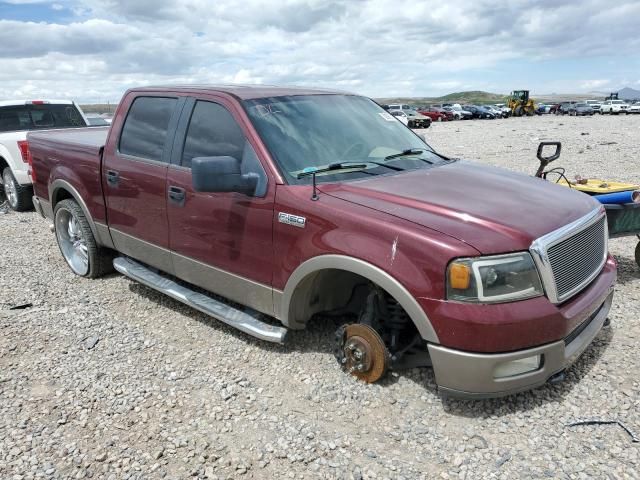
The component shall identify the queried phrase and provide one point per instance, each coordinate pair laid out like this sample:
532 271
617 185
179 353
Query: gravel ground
107 379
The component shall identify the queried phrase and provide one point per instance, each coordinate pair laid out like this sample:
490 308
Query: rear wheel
18 196
638 254
77 243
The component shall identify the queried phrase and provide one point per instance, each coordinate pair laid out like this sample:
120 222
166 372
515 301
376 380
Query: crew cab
17 117
271 208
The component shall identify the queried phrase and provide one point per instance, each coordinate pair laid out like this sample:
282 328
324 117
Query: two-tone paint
399 232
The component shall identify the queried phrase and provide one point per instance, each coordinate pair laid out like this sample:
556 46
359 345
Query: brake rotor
361 352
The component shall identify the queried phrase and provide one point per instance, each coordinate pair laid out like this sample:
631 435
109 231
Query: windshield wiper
332 167
406 153
390 167
410 152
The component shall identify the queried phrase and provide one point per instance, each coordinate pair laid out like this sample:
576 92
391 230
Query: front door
134 180
221 242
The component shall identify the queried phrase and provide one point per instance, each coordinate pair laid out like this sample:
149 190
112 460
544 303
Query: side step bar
244 321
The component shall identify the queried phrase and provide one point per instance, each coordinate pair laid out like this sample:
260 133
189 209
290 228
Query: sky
93 50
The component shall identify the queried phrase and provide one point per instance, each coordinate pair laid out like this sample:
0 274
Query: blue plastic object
618 198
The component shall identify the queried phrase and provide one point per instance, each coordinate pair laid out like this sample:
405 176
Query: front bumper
473 375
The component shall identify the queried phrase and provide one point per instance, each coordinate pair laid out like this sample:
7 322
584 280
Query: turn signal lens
459 276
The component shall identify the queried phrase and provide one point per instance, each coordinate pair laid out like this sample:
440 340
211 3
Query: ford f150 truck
270 208
17 117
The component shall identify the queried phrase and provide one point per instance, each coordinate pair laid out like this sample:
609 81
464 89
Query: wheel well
322 291
3 164
59 195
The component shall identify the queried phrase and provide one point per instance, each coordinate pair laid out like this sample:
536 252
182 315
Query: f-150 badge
290 219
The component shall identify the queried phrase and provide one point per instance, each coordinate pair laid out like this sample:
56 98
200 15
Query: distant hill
629 93
473 97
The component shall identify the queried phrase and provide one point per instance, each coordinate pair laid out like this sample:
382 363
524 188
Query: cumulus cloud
377 47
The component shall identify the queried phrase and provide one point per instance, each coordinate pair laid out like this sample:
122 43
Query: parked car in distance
401 116
498 113
580 109
458 112
543 108
17 117
614 107
448 114
563 108
478 112
434 115
635 108
595 104
400 106
506 111
414 119
96 121
363 222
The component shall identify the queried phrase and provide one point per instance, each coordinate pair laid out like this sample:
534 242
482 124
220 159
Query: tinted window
212 132
35 117
145 129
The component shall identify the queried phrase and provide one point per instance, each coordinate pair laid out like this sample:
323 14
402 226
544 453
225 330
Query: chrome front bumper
472 375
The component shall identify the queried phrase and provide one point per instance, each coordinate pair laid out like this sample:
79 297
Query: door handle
177 195
113 178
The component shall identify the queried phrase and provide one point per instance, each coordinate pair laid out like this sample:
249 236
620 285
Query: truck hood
492 209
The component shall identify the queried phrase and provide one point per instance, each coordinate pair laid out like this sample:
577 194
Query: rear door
134 176
220 241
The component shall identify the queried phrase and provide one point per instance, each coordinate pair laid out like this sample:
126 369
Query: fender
364 269
100 232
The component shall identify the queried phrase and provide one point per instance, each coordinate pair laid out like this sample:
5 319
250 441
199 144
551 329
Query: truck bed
74 156
88 140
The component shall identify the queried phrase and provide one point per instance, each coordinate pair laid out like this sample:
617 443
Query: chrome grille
570 258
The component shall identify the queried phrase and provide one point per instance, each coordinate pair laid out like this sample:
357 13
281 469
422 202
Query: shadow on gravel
628 270
318 338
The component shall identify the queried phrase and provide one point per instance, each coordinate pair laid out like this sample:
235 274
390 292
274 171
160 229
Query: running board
244 321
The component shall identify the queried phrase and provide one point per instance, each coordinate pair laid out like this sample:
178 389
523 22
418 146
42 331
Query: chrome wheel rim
72 242
10 189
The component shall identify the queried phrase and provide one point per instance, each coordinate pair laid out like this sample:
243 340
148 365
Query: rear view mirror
221 174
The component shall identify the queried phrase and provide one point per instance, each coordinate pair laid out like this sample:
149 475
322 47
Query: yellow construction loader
520 104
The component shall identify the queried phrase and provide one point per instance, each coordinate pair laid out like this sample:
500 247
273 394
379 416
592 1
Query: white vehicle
400 116
458 112
614 107
506 111
17 117
495 110
635 108
595 104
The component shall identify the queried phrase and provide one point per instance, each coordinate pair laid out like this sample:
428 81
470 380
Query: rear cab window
144 133
40 116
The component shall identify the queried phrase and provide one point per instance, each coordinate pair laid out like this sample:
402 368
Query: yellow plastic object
597 186
459 276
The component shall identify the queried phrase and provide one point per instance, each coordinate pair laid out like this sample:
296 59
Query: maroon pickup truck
270 208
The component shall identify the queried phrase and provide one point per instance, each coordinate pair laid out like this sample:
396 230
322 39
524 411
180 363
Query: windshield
308 132
39 116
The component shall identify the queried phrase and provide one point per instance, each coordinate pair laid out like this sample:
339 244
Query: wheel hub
361 352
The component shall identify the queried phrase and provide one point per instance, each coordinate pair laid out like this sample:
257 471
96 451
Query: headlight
500 278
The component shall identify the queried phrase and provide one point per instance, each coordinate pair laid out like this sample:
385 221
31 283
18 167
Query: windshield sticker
267 109
388 117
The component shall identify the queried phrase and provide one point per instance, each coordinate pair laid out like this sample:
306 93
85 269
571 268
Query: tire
77 243
518 111
638 254
18 196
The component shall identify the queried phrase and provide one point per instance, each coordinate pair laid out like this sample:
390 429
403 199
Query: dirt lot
107 379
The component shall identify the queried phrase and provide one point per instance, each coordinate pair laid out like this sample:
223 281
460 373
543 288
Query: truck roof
13 103
243 92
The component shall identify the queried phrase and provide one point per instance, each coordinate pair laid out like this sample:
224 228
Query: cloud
377 47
